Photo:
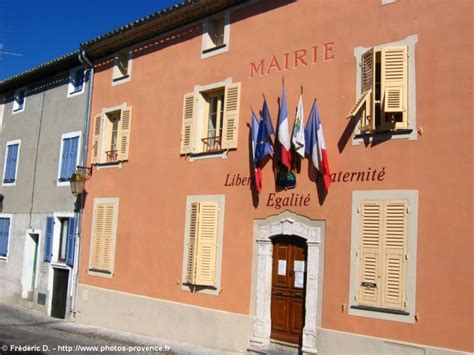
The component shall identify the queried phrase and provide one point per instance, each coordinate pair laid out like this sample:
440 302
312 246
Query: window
4 235
210 119
104 230
11 162
69 157
60 237
19 99
383 259
76 82
203 243
111 136
215 37
386 90
122 67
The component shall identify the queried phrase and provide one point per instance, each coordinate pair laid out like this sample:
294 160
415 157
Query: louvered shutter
73 151
12 158
394 249
96 141
48 239
4 231
206 243
371 214
187 128
231 116
124 136
192 239
394 80
65 159
102 242
367 123
79 80
71 241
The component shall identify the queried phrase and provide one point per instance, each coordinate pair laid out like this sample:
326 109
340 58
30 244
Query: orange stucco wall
153 184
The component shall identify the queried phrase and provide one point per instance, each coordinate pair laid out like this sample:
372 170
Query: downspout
85 137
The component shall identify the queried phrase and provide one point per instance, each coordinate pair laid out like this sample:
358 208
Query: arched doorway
310 232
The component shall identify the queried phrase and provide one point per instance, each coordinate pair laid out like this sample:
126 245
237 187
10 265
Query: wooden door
288 289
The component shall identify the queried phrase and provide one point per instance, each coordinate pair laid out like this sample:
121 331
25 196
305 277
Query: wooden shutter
71 241
48 240
102 239
96 141
124 134
192 239
394 83
4 231
206 243
395 253
367 122
187 128
370 257
231 116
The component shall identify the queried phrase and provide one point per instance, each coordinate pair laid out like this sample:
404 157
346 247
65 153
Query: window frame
104 201
411 132
9 143
15 108
10 217
207 50
411 196
185 286
120 79
56 242
63 137
71 89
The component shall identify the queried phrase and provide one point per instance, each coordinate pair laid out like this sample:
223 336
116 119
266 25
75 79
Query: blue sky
41 30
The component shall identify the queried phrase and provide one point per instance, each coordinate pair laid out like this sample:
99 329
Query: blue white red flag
284 132
316 146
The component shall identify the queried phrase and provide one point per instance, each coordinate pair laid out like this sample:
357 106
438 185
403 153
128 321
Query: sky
42 30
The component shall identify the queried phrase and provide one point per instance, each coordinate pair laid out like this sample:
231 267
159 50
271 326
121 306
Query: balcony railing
112 156
211 144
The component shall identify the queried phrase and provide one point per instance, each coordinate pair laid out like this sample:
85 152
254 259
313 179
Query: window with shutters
203 243
76 82
122 69
60 239
216 35
111 136
210 120
104 230
19 100
383 260
10 168
386 102
5 225
68 157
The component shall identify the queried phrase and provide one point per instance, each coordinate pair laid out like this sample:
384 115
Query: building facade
176 241
43 116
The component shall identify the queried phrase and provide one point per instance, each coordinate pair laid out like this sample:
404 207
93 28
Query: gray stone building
43 116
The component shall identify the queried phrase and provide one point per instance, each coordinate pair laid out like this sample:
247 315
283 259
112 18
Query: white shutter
187 127
231 116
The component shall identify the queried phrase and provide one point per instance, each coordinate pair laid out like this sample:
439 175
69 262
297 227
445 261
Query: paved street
27 332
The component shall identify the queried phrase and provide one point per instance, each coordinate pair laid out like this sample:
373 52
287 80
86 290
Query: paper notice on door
299 279
281 267
299 265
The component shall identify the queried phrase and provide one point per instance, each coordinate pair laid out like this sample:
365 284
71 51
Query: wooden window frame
208 48
210 290
56 236
410 132
118 77
91 270
355 309
15 107
63 137
10 217
9 143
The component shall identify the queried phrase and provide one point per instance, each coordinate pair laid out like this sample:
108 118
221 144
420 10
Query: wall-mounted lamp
78 179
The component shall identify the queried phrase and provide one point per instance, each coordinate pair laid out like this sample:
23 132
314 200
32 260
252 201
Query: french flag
284 132
316 146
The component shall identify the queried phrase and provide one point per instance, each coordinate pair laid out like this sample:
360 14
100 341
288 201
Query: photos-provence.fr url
84 348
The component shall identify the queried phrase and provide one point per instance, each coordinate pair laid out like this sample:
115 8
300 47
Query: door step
276 347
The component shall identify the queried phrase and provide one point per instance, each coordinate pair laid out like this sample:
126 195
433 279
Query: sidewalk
28 331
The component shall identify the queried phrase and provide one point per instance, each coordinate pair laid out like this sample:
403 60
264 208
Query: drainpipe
85 137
